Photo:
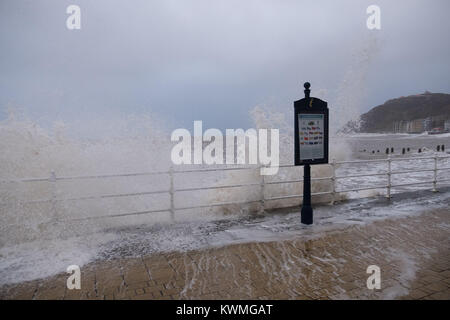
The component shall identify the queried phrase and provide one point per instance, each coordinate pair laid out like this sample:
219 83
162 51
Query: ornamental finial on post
307 85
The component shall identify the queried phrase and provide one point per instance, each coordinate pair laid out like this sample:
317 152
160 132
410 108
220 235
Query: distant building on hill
428 124
447 125
400 126
416 126
416 113
422 125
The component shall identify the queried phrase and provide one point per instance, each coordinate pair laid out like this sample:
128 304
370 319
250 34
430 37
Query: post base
307 215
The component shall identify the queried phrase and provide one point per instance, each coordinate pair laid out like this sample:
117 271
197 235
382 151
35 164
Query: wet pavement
279 259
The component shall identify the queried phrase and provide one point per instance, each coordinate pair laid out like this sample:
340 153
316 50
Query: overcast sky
214 60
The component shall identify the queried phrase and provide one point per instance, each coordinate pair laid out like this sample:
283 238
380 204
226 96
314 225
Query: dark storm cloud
214 60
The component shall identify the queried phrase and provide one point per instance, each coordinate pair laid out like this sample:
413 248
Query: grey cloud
213 60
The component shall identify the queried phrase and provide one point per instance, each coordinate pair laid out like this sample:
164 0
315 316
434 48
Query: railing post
52 180
171 192
435 173
263 205
333 181
389 185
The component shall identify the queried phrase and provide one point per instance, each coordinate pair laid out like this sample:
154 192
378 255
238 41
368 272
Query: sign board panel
311 127
311 131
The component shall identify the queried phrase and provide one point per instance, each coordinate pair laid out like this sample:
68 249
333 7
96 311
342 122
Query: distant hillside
381 118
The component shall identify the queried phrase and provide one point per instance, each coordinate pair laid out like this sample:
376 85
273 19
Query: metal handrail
411 171
418 158
361 189
211 169
86 177
96 197
217 187
361 161
172 190
214 169
121 215
412 183
362 175
218 204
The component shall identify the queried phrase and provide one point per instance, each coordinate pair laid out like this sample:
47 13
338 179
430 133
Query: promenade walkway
412 252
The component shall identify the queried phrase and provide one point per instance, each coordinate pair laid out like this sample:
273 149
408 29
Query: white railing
173 190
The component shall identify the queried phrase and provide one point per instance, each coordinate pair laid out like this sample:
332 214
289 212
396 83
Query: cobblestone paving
413 254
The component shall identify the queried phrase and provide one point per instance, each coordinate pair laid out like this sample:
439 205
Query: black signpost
311 142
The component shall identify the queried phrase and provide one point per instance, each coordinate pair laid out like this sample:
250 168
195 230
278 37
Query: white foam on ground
41 259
